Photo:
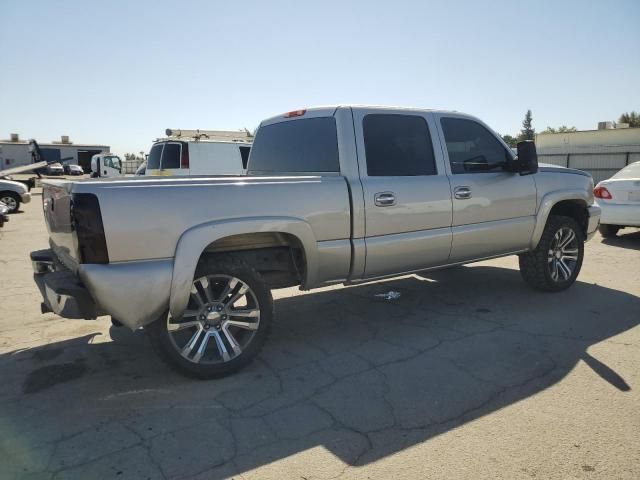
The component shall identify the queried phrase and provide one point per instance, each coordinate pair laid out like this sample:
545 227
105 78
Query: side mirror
526 162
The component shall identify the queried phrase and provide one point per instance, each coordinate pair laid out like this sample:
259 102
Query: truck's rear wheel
555 263
226 323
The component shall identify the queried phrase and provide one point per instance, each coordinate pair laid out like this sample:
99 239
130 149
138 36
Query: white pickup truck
341 194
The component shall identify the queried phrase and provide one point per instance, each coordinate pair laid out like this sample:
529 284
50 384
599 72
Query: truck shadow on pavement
346 370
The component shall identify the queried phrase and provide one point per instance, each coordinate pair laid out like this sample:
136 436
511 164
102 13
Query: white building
15 152
600 152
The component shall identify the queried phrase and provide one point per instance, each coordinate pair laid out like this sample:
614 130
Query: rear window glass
630 171
244 152
153 162
171 156
306 145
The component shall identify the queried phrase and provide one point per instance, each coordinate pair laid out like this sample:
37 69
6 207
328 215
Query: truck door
407 195
110 166
493 210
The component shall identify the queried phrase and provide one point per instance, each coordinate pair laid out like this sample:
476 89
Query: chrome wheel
221 320
10 202
563 255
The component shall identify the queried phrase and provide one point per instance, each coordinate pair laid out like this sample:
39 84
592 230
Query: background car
72 169
54 169
13 193
619 199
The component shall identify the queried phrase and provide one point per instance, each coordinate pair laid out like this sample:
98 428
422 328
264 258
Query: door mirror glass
527 160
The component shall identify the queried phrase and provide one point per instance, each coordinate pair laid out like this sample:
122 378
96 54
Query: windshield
112 161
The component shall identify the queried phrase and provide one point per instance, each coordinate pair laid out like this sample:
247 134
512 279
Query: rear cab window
308 145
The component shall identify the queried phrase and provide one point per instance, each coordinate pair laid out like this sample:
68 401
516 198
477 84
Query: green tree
632 118
561 129
509 140
527 132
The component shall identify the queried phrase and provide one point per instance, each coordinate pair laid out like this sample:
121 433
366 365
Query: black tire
608 231
13 196
227 266
536 266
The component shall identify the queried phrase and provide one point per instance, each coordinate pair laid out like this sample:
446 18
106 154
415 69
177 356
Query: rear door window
153 162
398 146
171 156
305 145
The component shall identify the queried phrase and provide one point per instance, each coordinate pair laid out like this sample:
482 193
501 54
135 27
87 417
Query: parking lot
468 374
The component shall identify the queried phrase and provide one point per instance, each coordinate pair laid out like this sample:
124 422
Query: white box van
200 152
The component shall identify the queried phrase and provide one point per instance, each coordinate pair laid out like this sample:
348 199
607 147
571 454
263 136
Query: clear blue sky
120 72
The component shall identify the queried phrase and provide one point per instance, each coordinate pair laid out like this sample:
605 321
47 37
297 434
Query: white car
13 193
619 199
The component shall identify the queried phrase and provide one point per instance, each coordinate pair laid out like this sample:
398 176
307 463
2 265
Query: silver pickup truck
334 195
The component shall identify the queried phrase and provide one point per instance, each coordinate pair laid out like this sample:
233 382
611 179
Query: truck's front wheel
226 323
555 263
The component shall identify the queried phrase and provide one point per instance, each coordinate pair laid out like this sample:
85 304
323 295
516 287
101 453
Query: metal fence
130 166
600 164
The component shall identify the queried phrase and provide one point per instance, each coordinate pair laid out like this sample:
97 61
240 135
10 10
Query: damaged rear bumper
62 291
134 293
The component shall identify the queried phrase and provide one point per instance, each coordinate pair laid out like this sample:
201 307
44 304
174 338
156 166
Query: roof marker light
294 113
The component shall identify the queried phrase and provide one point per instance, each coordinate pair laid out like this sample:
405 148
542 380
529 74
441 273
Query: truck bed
145 218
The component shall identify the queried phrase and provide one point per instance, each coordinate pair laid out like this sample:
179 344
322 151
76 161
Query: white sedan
619 199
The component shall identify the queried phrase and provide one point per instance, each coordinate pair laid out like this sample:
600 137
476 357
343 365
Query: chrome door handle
384 199
462 193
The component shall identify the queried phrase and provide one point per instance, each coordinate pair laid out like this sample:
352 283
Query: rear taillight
602 192
86 220
184 160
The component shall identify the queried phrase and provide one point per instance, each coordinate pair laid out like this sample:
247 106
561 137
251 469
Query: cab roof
328 110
